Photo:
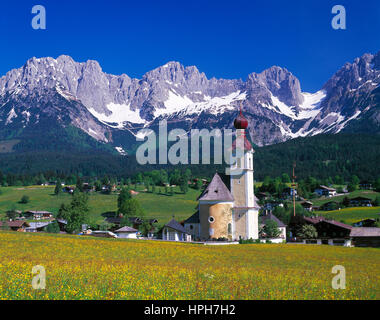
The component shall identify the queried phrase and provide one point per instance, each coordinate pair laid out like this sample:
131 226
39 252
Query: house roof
365 232
38 212
337 223
307 203
194 218
361 198
326 188
35 225
115 220
313 220
216 191
271 216
126 229
15 224
176 226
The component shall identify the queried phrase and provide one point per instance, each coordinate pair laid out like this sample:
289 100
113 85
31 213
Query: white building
174 231
126 233
325 191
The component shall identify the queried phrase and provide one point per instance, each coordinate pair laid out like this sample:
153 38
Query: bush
249 241
25 199
53 227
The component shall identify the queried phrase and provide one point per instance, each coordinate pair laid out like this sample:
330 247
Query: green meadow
352 215
160 206
358 193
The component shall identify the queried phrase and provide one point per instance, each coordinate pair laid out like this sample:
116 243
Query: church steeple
241 122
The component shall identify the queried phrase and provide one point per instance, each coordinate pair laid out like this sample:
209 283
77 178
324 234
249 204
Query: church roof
176 226
271 216
216 191
194 218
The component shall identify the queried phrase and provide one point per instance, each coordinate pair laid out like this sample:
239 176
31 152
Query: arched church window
229 228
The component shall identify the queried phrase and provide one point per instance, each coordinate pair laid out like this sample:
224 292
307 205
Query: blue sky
224 39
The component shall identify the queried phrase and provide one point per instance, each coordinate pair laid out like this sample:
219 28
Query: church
227 208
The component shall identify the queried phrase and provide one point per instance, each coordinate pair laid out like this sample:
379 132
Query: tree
308 231
124 195
79 184
98 185
354 184
271 229
145 227
25 199
11 214
285 178
198 184
184 185
75 213
131 208
351 187
53 227
58 187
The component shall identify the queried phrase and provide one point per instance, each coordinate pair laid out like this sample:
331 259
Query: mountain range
60 103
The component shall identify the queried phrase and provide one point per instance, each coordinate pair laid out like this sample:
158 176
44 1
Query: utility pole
294 189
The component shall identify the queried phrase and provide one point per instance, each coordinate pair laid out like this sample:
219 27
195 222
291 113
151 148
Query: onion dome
241 122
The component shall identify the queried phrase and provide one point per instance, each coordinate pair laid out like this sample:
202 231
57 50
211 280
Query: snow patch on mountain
216 105
119 113
121 151
12 114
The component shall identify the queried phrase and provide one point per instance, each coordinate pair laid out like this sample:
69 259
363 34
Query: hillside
322 156
158 206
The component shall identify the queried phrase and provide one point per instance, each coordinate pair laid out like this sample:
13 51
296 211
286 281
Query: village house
38 215
329 206
330 231
337 233
15 225
360 202
366 223
37 226
325 191
281 226
365 237
365 185
307 205
289 193
174 231
126 233
68 189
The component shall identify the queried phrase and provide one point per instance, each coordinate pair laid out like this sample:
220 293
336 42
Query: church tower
245 210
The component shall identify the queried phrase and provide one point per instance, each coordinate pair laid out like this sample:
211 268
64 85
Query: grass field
358 193
159 206
352 215
92 268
